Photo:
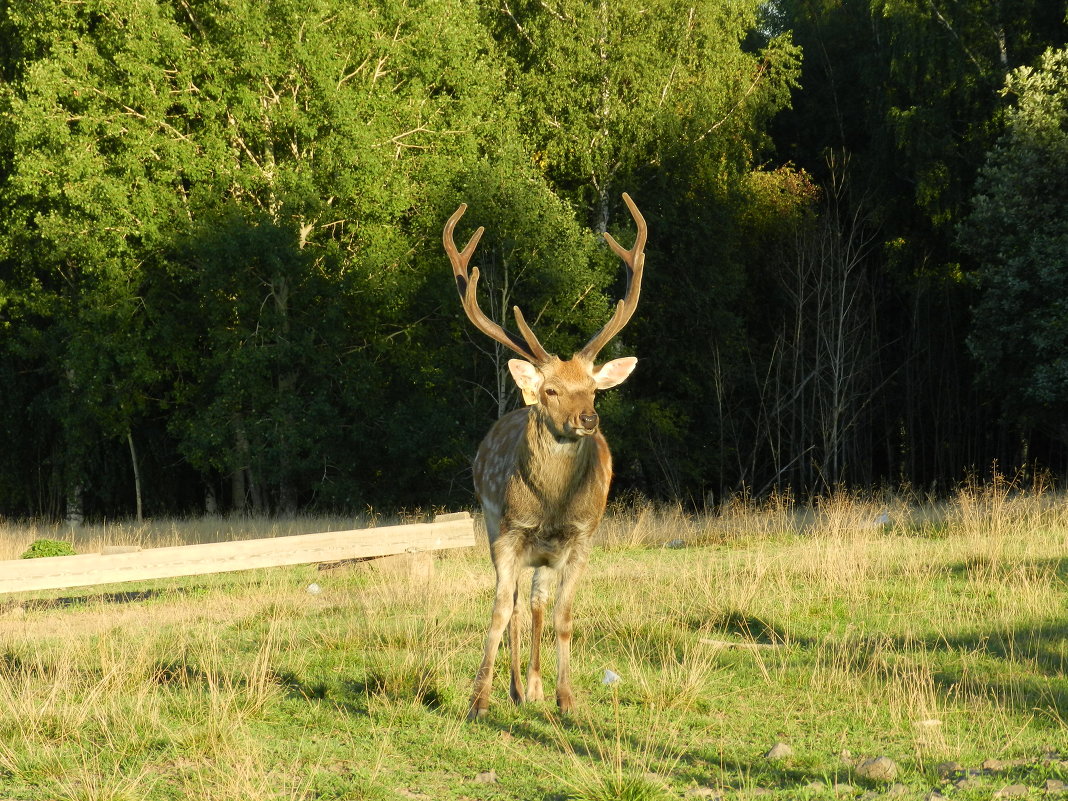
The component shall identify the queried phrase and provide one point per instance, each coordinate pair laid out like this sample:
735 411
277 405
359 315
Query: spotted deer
542 473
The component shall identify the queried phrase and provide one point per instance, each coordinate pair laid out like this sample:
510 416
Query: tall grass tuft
615 762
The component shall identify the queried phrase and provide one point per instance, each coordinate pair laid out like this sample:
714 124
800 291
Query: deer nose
588 420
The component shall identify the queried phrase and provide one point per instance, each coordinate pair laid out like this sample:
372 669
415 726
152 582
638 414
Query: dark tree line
222 284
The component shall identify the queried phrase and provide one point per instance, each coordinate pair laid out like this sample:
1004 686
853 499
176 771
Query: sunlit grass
929 632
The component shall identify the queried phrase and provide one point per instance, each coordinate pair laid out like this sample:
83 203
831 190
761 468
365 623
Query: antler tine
635 261
467 283
540 354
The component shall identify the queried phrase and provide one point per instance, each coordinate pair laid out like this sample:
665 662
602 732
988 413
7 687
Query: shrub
49 548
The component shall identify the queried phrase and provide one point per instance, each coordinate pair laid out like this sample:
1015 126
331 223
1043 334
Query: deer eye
551 392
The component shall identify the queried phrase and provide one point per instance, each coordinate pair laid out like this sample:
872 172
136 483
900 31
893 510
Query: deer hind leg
503 606
570 574
539 598
515 647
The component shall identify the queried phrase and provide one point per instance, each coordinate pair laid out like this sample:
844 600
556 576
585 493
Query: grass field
849 629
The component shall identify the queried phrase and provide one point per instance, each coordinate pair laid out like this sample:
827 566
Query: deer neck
555 467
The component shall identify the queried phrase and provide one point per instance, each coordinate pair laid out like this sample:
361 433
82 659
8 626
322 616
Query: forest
222 284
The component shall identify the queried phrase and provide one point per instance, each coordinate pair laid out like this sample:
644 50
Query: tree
909 90
136 134
1018 232
87 186
615 89
668 101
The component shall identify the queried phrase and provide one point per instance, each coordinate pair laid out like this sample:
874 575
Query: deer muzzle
585 424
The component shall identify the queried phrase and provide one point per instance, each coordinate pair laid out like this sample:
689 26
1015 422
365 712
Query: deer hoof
534 690
476 713
566 701
516 694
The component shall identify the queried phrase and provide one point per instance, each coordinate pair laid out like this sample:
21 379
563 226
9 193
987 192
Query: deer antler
635 261
528 346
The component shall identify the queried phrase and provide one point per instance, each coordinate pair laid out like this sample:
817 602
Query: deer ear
613 373
528 378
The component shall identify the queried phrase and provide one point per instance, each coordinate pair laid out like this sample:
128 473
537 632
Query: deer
542 473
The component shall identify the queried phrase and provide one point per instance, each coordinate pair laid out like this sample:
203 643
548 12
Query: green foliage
910 89
223 222
220 260
670 102
233 181
1018 232
42 548
613 89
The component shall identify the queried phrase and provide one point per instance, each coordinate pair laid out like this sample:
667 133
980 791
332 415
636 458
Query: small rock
878 769
1012 791
844 788
1055 786
947 769
703 792
779 751
611 677
994 765
675 544
487 777
847 758
896 789
934 795
967 783
816 786
655 779
314 589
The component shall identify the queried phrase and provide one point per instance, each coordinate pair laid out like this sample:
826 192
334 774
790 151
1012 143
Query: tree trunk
75 511
242 484
237 489
287 384
136 474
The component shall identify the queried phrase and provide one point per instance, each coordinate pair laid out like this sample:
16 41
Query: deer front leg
503 606
570 574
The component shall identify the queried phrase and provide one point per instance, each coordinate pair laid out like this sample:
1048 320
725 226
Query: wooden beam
56 572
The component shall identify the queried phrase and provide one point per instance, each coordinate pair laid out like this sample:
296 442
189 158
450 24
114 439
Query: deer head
561 389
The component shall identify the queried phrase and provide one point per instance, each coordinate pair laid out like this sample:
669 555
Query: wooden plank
451 517
55 572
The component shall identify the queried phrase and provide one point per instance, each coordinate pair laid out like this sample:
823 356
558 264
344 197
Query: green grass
940 636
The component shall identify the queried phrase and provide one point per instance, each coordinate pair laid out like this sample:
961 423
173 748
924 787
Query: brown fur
543 488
